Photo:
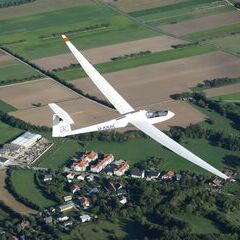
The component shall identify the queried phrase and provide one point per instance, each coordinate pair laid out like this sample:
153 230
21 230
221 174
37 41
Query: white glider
143 120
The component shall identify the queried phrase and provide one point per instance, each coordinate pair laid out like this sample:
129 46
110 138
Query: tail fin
61 121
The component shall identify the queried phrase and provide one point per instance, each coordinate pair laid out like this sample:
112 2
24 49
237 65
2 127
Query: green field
230 43
8 133
173 54
234 97
16 72
5 107
30 28
199 224
23 182
182 11
60 152
103 229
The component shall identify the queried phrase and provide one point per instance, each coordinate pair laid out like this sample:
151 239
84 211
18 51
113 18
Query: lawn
23 182
5 107
182 11
103 229
8 133
199 224
62 151
16 72
45 24
138 61
234 97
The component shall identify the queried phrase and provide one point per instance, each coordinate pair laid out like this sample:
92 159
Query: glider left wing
108 91
169 143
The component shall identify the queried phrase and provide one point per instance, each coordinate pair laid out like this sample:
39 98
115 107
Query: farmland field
179 12
39 29
105 53
134 62
8 133
234 97
23 182
164 79
30 94
224 90
202 24
6 107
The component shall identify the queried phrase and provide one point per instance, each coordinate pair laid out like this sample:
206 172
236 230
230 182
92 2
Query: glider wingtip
65 39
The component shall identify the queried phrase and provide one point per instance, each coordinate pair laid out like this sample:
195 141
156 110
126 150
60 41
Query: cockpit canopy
154 114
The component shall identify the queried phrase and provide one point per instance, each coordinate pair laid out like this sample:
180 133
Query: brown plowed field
9 200
39 7
234 88
152 84
43 91
136 5
201 24
83 112
6 59
104 54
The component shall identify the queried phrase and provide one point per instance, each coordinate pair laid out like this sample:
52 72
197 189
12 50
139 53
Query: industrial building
27 139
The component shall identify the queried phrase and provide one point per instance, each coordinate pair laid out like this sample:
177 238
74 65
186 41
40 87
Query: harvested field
104 54
152 84
83 112
201 24
9 200
233 88
6 60
133 5
42 92
39 7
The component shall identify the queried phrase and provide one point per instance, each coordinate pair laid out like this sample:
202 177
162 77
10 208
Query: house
150 175
81 176
67 198
98 167
90 156
75 188
62 218
90 177
123 200
217 182
47 177
66 206
136 173
85 202
80 166
85 218
168 175
93 191
121 169
71 176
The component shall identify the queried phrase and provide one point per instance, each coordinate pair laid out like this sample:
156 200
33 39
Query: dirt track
201 24
234 88
152 84
104 54
9 200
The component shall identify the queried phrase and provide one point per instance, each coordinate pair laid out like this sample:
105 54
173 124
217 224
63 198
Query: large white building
27 139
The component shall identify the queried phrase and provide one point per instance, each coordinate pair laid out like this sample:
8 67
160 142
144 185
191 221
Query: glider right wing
109 92
169 143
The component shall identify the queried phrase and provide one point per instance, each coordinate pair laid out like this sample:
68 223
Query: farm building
27 139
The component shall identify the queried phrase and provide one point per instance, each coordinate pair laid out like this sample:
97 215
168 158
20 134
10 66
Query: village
84 181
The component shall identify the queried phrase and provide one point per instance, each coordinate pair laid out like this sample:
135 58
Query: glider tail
61 121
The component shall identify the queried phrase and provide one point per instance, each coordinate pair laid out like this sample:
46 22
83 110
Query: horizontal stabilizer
61 113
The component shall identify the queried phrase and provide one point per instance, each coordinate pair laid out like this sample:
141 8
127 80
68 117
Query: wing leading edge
169 143
109 92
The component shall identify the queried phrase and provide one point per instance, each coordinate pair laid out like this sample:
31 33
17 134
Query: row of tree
17 80
4 4
217 82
